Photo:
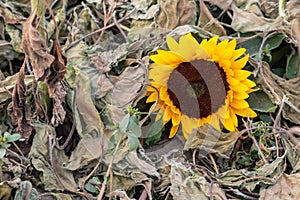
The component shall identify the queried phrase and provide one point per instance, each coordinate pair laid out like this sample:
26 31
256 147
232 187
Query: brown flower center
198 88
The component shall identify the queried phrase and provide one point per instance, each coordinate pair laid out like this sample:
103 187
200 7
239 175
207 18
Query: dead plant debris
73 75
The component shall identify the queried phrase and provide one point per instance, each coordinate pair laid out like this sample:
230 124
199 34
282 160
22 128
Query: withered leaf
57 70
56 90
277 87
50 161
287 187
190 184
208 22
207 139
58 111
176 13
18 109
35 48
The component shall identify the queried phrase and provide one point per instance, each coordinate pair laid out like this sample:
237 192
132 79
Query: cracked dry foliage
35 47
18 109
74 88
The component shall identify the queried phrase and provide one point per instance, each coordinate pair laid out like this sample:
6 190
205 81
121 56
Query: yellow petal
239 104
154 107
213 41
238 53
209 45
167 58
240 88
172 44
152 97
160 75
160 113
241 74
167 115
228 124
249 83
154 87
240 95
188 44
233 118
231 45
173 131
221 47
176 119
215 121
245 112
175 109
163 94
232 81
239 64
222 112
188 124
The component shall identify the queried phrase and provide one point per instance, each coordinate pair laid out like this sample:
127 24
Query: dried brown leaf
174 13
35 48
208 22
53 80
5 191
26 191
189 184
126 86
277 87
288 187
57 70
18 109
7 85
49 160
245 21
209 140
58 111
270 8
223 4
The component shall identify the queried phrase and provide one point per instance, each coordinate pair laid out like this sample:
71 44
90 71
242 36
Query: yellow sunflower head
201 83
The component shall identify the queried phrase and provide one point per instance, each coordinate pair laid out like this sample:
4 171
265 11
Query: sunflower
201 83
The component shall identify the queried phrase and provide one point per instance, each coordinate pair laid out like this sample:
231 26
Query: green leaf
111 142
13 137
2 152
261 102
94 180
133 142
155 128
154 132
124 123
134 128
5 145
254 44
293 67
91 188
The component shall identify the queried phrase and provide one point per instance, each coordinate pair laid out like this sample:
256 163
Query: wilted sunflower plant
196 83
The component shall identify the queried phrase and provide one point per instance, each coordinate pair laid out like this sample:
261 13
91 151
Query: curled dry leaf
176 13
190 184
47 67
57 69
18 109
207 140
35 48
287 187
58 111
208 22
277 87
56 90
